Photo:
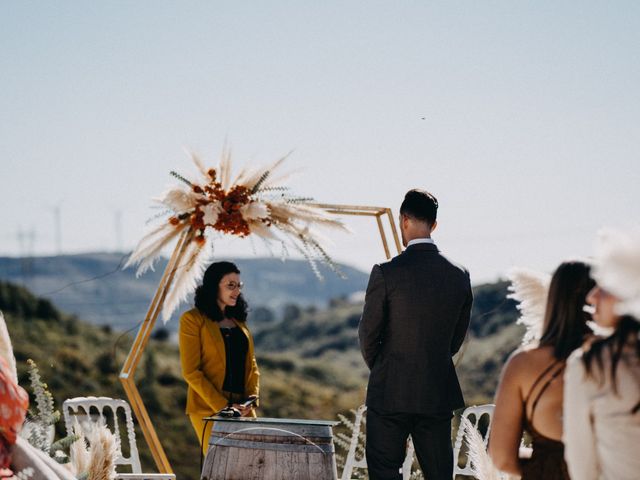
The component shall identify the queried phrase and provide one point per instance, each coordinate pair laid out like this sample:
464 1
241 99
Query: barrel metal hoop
226 441
278 447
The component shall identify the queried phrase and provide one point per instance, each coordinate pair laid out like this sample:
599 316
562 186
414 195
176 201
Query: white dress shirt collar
415 241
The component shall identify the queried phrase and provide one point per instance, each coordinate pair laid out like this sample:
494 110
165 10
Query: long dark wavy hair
565 321
627 330
206 298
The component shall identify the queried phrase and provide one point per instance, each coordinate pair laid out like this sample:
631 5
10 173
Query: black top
547 459
236 347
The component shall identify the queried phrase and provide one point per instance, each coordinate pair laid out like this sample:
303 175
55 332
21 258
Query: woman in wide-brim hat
602 380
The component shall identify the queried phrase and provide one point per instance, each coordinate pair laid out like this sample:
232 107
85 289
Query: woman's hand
245 411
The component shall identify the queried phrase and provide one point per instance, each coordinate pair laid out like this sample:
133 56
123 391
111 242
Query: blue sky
523 118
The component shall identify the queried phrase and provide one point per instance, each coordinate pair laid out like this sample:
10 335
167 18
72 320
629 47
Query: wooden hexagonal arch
127 374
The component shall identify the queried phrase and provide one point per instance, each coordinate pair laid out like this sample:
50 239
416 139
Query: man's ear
435 224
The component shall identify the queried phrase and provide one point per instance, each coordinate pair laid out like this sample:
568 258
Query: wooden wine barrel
270 448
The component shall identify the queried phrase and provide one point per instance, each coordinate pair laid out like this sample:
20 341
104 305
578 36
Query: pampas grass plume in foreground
97 460
481 464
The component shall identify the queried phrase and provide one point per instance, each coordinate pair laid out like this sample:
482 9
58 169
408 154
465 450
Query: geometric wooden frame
377 212
127 374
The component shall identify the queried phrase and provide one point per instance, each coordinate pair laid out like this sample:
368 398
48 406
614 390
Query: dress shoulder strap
539 379
555 369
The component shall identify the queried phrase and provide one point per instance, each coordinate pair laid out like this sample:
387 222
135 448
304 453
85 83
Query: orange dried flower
230 218
197 222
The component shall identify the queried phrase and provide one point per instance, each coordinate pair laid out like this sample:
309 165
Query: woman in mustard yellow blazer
216 349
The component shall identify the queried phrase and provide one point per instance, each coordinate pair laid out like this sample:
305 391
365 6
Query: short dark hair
206 298
420 205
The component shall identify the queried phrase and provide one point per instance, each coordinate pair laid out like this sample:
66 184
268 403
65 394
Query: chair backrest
474 415
355 456
102 409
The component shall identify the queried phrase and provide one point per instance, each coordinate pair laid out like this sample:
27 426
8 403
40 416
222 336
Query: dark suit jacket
415 318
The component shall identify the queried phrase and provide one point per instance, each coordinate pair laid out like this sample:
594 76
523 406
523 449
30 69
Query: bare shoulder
526 361
520 357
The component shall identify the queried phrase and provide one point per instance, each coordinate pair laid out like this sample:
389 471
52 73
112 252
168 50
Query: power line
87 280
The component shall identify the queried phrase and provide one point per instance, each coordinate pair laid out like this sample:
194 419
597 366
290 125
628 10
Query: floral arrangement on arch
254 203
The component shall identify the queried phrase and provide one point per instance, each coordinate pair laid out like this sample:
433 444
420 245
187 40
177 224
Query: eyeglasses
231 286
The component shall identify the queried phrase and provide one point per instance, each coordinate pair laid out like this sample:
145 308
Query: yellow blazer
203 360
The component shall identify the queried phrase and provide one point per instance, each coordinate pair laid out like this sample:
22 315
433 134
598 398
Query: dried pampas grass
479 460
78 452
255 204
530 289
104 451
188 273
94 456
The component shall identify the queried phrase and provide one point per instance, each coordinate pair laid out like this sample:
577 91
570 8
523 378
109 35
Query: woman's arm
578 435
191 362
506 426
253 379
252 374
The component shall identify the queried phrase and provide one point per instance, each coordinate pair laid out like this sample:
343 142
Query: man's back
415 318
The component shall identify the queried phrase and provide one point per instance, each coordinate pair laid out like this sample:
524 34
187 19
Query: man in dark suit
415 318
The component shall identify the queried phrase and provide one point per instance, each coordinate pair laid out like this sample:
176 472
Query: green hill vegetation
79 359
308 356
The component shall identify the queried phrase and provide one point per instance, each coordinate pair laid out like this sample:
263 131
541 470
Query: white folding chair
101 409
356 458
473 414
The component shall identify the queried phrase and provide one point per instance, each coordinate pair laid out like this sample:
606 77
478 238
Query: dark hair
628 328
420 205
206 298
565 321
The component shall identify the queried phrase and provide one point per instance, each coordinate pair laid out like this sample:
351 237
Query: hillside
79 359
94 287
309 358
